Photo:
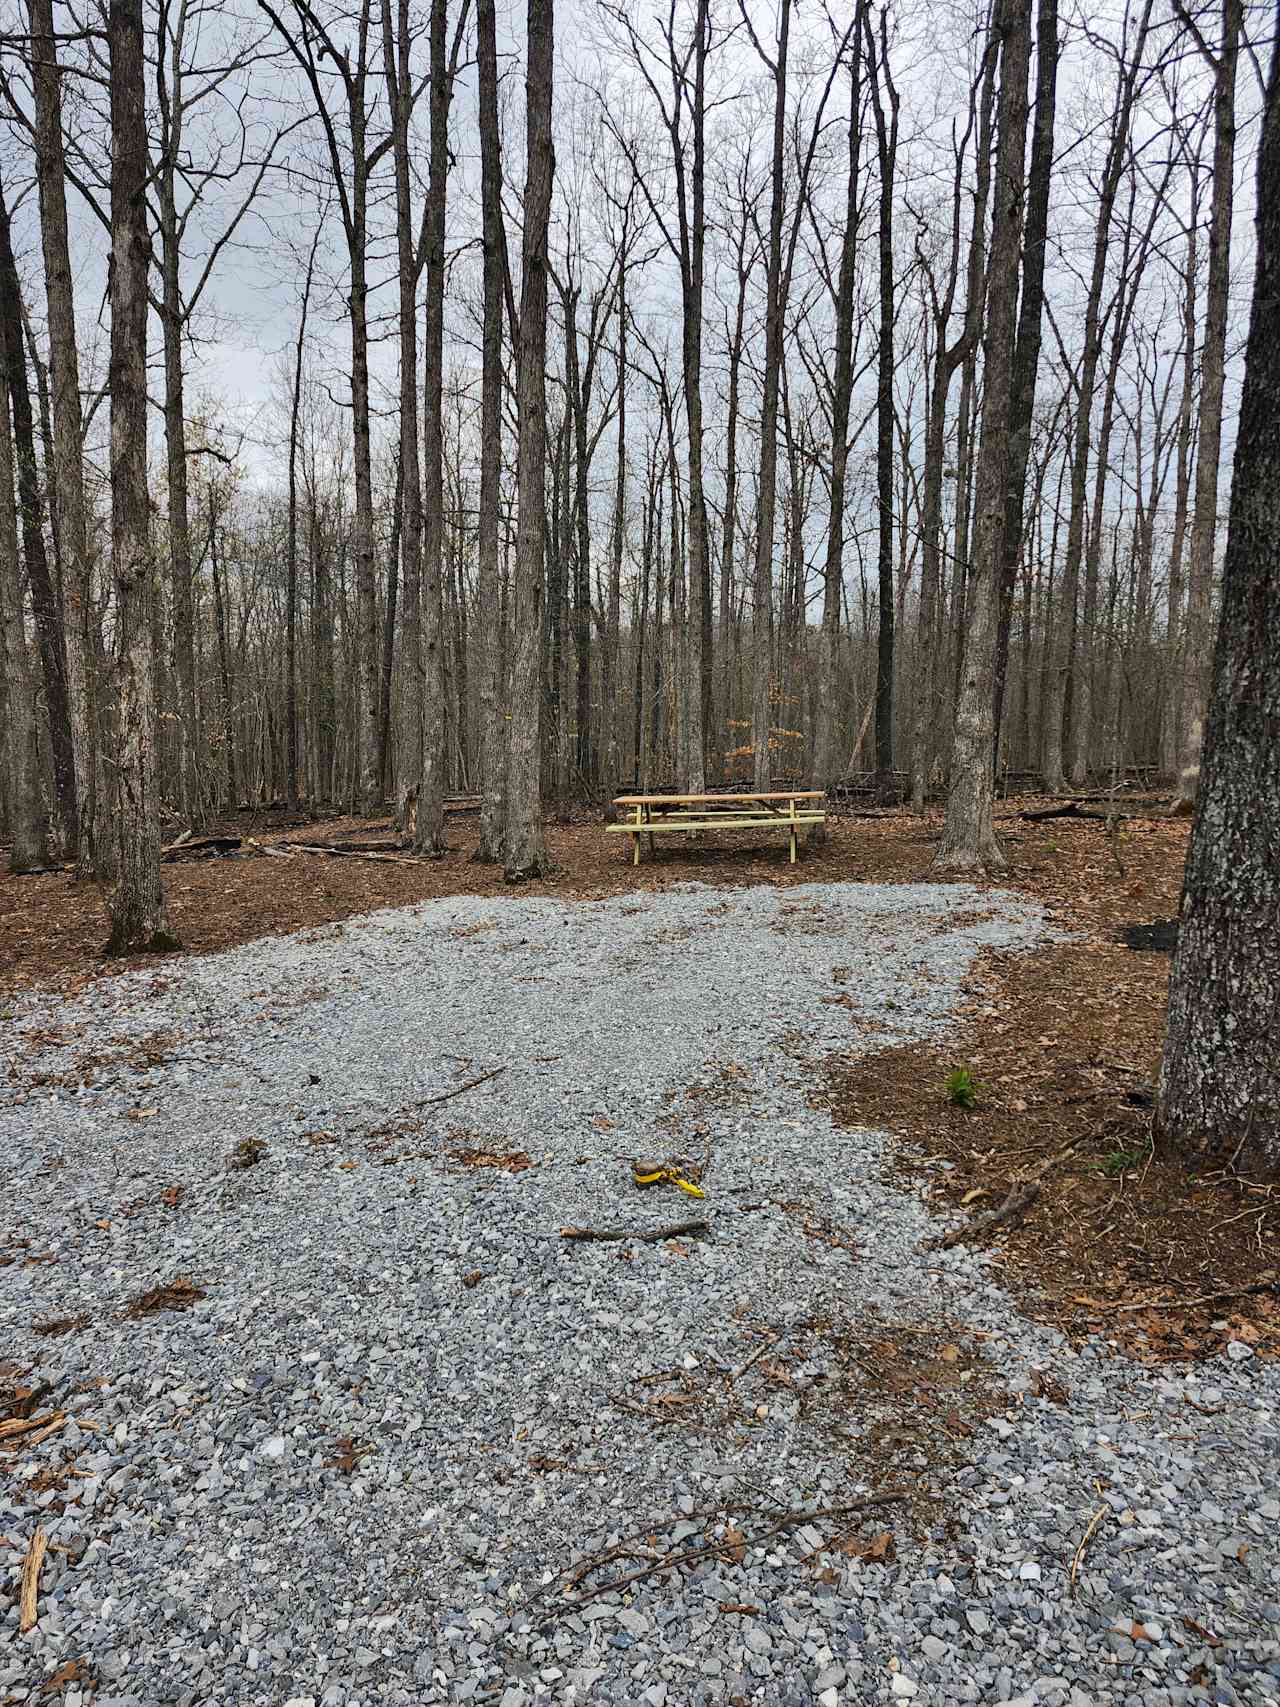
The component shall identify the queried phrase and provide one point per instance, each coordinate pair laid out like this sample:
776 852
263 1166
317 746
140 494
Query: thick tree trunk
28 822
826 749
1219 1099
1213 361
137 904
969 839
887 150
525 847
492 730
429 837
1026 360
68 434
44 598
767 496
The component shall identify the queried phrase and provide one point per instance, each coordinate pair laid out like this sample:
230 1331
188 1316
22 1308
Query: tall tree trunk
1219 1098
137 905
291 584
28 823
1213 360
762 580
969 839
492 735
1064 628
1171 709
68 434
397 50
429 837
525 846
826 751
887 151
1026 359
613 603
44 598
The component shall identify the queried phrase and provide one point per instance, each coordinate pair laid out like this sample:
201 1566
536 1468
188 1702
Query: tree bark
137 904
1213 361
68 436
969 839
28 823
492 731
45 605
429 837
1219 1097
525 846
887 150
767 496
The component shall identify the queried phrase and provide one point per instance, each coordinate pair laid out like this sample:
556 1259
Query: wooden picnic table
653 814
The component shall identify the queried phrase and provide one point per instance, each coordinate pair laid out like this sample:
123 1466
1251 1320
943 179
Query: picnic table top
690 799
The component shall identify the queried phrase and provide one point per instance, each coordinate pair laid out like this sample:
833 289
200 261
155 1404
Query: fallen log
199 847
1071 810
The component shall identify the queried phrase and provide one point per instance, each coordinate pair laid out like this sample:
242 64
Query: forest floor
1062 1043
338 1348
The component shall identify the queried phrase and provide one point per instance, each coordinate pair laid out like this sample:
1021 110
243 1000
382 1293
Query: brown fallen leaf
949 1353
602 1123
735 1544
73 1671
1198 1629
347 1455
879 1550
473 1279
742 1607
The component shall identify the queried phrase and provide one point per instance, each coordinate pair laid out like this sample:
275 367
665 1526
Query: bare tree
137 904
525 847
28 821
493 747
969 840
91 852
1219 1098
1204 520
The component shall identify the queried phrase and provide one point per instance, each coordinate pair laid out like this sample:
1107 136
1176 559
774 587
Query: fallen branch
1204 1298
457 1091
191 847
1095 1523
30 1589
356 853
1019 1199
14 1426
690 1556
653 1235
1072 810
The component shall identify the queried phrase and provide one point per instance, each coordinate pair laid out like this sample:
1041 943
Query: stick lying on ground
429 1102
650 1235
1020 1198
689 1556
31 1581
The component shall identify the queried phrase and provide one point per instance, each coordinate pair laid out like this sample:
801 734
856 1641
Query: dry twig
1095 1523
650 1235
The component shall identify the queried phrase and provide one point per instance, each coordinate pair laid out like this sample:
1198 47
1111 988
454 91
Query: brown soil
1062 1041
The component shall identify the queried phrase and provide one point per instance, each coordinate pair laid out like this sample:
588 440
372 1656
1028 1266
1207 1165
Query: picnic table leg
635 837
648 816
792 805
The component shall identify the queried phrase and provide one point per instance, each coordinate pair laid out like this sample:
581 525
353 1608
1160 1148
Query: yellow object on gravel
671 1172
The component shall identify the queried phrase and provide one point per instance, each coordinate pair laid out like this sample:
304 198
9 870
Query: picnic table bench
779 809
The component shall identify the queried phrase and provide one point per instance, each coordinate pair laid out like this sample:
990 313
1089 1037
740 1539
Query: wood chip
30 1589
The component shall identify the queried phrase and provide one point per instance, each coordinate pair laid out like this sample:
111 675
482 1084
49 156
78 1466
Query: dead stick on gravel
457 1091
652 1235
1020 1198
690 1556
31 1581
1095 1523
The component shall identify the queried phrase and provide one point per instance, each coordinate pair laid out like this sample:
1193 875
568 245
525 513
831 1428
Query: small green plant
962 1088
1117 1162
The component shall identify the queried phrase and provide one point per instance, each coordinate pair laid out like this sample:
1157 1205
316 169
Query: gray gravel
365 1465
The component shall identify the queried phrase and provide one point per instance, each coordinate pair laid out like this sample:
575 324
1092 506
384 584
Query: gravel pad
350 1419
